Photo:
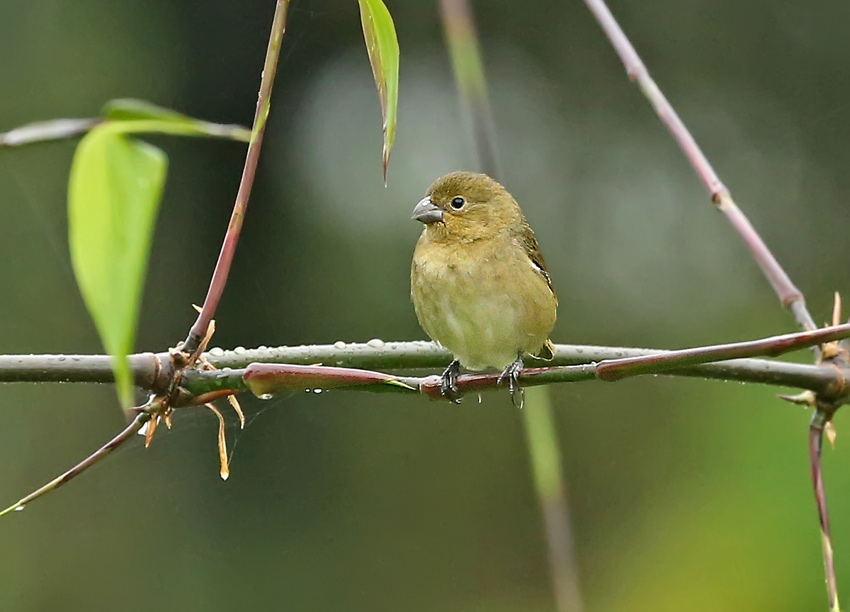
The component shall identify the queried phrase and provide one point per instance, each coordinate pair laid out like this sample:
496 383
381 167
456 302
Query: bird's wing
532 249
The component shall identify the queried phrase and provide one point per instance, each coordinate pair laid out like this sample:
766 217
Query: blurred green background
684 494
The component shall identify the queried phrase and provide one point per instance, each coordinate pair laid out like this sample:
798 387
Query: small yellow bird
478 281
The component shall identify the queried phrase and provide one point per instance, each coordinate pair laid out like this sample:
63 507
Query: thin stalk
459 24
468 67
134 427
773 346
231 238
816 430
45 131
552 495
791 297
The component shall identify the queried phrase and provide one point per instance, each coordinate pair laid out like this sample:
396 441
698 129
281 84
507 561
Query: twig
128 432
464 47
43 131
791 297
552 494
816 429
231 238
773 346
462 39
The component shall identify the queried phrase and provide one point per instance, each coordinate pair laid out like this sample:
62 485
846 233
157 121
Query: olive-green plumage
478 281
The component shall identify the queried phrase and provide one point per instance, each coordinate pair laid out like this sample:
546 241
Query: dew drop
19 508
239 350
317 391
376 343
217 352
308 390
266 396
339 344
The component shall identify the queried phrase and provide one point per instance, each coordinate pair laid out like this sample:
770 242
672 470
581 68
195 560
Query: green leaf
130 109
382 45
113 197
147 117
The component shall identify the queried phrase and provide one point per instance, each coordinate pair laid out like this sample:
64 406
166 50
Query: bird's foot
448 386
512 374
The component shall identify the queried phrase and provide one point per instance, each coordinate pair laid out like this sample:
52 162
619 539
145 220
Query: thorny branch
789 295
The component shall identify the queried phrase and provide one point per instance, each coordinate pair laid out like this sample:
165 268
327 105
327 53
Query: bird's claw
512 374
448 385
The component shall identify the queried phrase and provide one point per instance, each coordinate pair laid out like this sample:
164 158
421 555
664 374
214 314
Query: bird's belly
480 332
483 319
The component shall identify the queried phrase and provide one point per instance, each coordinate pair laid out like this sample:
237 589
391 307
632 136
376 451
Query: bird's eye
458 203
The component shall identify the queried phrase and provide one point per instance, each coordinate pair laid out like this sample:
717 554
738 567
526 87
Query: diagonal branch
791 297
126 434
252 157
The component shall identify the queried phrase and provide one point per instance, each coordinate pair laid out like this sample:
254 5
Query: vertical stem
819 421
462 39
789 295
231 238
551 493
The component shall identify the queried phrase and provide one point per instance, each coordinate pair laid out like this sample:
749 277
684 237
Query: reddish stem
231 238
819 421
791 297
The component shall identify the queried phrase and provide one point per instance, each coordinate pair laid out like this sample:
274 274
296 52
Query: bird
479 284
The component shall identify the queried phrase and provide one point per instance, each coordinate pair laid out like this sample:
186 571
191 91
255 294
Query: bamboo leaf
114 193
153 118
382 45
131 109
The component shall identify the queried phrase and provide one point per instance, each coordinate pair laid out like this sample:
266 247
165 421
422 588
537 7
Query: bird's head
466 206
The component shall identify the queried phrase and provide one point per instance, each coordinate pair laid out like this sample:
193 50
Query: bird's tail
547 351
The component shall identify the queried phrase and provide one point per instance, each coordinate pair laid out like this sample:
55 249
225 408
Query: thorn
831 350
151 430
197 308
831 434
836 309
806 398
235 404
223 468
203 345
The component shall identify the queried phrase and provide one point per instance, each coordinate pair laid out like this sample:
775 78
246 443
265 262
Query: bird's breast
484 302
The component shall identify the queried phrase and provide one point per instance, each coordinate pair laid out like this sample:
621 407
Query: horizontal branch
819 378
153 371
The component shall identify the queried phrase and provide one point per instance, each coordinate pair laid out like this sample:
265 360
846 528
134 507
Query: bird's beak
427 212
